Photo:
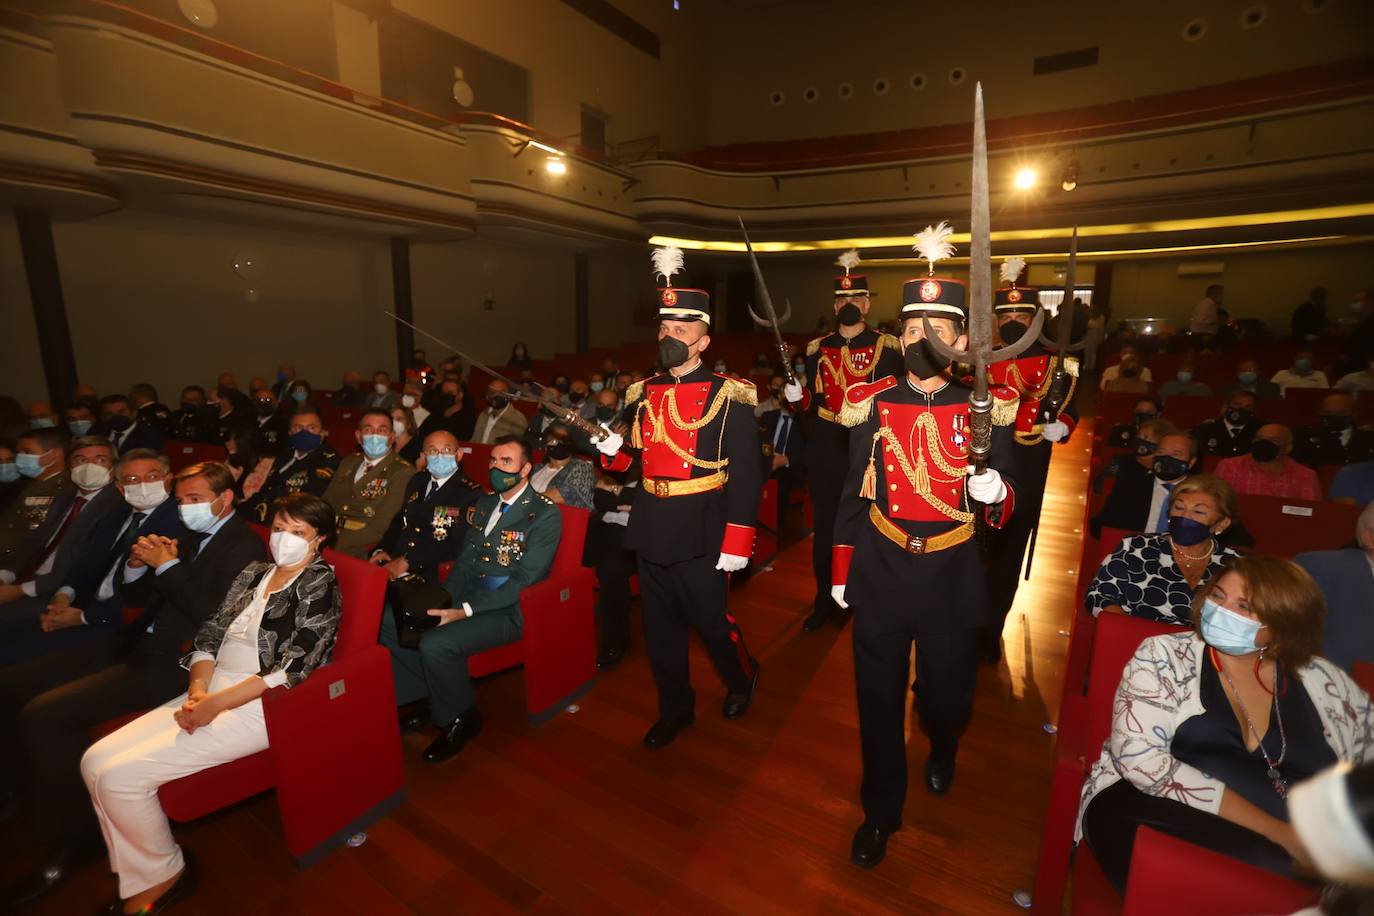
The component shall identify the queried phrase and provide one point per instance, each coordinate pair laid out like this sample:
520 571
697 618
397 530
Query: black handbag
411 598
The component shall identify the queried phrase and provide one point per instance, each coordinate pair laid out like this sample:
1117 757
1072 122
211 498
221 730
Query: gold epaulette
887 340
858 400
814 347
736 390
1004 410
634 393
1071 365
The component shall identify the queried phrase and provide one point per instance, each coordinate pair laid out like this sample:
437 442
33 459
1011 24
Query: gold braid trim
1004 411
743 392
672 415
852 414
634 393
814 346
1071 365
919 476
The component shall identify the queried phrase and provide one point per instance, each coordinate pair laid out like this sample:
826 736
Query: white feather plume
933 244
667 263
1011 269
849 260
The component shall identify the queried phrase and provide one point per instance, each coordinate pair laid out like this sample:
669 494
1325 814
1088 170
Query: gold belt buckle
662 488
915 544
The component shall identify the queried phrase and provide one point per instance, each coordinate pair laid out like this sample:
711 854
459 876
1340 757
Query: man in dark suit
1346 578
191 423
1335 439
126 430
1139 500
429 528
147 409
48 705
782 439
273 425
1231 433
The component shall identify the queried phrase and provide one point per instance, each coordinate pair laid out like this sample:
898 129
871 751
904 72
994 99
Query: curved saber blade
761 322
762 288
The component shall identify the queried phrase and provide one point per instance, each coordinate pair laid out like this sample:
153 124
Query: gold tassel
922 475
868 489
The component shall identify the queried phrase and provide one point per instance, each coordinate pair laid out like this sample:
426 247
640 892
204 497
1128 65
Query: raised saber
768 306
980 352
1063 344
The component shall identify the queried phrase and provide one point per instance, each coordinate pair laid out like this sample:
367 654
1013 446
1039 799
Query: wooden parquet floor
752 816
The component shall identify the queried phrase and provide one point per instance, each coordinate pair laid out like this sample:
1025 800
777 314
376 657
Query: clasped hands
152 550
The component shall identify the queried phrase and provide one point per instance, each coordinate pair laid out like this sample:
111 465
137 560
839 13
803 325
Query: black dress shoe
736 703
869 846
990 646
662 732
939 776
54 870
453 736
185 885
609 658
819 615
413 718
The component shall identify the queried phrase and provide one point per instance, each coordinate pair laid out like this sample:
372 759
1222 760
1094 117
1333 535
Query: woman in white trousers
275 626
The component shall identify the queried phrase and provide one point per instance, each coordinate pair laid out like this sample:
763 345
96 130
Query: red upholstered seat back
570 542
1114 643
362 593
1286 527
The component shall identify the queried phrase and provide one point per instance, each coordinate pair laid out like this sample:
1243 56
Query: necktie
504 507
121 548
1162 523
784 430
77 505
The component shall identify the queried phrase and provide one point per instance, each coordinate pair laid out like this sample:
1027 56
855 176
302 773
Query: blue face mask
29 464
1303 366
1185 377
441 466
9 473
79 427
1229 632
375 446
299 395
303 440
43 423
198 517
1247 377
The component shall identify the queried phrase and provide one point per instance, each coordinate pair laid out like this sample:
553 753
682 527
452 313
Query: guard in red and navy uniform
1025 399
854 353
692 521
906 561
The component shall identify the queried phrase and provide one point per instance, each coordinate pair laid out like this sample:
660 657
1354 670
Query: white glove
731 563
837 596
610 444
1055 432
792 391
987 487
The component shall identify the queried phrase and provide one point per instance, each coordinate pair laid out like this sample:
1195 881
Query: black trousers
48 706
614 567
825 481
677 599
1115 813
1006 558
946 674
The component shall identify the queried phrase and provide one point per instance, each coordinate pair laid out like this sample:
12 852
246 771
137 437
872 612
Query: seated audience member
83 598
79 418
529 386
404 425
1359 380
500 418
419 371
33 525
1269 469
248 461
1346 578
42 416
367 490
1354 484
782 437
272 425
294 600
1112 373
411 396
1300 375
90 466
227 409
1184 383
48 705
623 380
562 478
1195 734
520 544
127 431
306 465
429 529
1248 379
520 356
11 481
286 374
453 413
381 396
299 393
605 549
596 382
1142 443
1309 318
1141 502
189 422
774 400
1128 378
1145 409
1335 439
225 383
1232 432
147 408
579 399
1154 575
350 393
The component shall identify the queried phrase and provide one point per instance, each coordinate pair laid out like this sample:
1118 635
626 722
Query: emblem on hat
930 290
1014 295
669 297
846 283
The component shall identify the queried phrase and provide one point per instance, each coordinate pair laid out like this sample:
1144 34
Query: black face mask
922 361
671 354
1335 422
577 397
1263 450
498 402
561 386
1139 417
191 407
1012 331
118 422
1239 416
1167 467
1129 372
605 414
1143 447
557 449
266 408
849 314
447 400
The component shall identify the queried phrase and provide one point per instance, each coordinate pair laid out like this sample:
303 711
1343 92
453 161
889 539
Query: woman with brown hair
1211 726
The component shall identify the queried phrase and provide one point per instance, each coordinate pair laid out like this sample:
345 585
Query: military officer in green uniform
305 465
509 544
368 489
37 514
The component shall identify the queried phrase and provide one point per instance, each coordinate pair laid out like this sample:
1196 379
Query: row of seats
1298 407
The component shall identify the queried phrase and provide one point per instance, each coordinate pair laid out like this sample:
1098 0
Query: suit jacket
1214 438
91 568
366 507
375 401
510 422
1314 445
141 435
83 539
156 415
186 594
429 530
1128 505
794 448
32 519
492 569
1346 580
310 474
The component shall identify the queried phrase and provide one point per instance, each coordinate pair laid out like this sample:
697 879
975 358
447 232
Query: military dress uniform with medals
311 474
32 521
1020 388
906 557
431 525
702 478
366 506
833 364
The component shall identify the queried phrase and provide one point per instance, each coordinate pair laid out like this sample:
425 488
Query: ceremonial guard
853 353
368 489
905 558
1033 394
692 521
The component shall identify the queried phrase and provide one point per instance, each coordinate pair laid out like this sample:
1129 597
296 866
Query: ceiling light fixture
1025 179
555 165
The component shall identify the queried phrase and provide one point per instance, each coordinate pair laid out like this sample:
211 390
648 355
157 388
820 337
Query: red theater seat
335 755
183 454
1166 872
1286 527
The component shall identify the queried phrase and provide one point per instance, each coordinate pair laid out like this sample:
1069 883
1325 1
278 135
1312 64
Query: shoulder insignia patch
888 341
858 400
736 390
634 393
813 347
1071 365
1004 409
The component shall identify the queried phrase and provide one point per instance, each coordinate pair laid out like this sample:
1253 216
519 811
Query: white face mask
408 400
398 427
288 549
90 476
145 496
380 388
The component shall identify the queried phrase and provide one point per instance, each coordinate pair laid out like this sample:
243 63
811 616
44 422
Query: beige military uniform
366 506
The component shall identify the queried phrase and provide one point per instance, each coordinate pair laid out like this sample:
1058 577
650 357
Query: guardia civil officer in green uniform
510 541
368 489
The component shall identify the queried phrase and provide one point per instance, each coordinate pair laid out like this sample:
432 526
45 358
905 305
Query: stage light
1070 177
555 165
1025 179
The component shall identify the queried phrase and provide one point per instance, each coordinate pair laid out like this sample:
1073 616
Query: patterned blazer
1160 690
298 627
575 482
1140 576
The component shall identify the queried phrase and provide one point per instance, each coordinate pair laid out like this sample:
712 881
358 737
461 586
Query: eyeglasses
434 452
150 477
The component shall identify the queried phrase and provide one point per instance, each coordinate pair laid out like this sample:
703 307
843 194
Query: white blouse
237 659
